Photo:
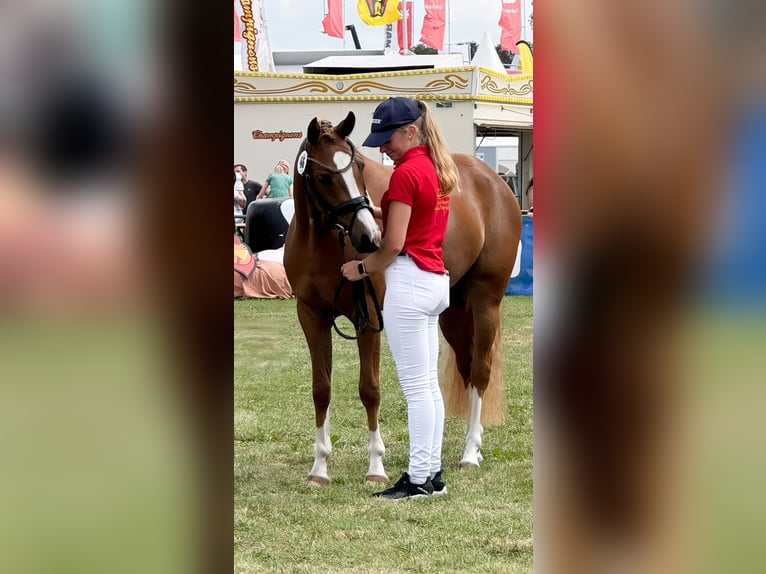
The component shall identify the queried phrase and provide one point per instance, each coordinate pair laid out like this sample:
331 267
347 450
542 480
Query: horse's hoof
314 481
372 479
468 464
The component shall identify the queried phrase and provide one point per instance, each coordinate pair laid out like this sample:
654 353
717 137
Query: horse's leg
473 438
369 393
456 326
319 339
486 320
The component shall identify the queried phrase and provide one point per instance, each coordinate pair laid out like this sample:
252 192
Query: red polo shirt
414 183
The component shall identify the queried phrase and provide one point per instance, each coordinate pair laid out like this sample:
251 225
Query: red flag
432 33
510 25
400 28
333 22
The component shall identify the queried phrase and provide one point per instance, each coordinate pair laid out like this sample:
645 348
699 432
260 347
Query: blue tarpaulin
521 277
737 272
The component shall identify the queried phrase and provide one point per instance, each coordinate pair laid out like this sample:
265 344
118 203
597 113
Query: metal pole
405 38
352 28
523 19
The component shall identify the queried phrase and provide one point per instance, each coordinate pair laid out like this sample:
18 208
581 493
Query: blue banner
521 277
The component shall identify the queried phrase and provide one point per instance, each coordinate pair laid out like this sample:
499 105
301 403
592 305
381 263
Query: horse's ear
313 131
346 126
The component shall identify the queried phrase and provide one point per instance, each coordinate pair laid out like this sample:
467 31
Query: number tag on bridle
303 159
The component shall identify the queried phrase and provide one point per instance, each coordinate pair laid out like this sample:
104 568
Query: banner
237 27
239 44
252 34
388 39
378 12
510 25
410 27
432 33
333 21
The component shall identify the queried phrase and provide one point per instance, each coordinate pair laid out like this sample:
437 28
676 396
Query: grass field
483 525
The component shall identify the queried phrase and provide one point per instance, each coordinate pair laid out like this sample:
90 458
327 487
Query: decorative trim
507 77
357 76
488 84
455 84
350 98
500 99
447 82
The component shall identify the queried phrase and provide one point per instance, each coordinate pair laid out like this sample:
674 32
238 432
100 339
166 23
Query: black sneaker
440 487
405 489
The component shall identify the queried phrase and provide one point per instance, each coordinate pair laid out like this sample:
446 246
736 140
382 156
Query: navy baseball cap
388 116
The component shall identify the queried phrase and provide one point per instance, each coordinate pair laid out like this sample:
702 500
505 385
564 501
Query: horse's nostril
366 245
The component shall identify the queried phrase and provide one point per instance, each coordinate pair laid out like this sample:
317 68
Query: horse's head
332 173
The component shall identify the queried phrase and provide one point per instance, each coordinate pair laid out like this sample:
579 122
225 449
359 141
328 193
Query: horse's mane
326 130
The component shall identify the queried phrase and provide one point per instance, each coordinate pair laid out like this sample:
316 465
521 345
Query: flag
265 57
333 21
238 40
432 33
378 12
255 47
510 25
400 29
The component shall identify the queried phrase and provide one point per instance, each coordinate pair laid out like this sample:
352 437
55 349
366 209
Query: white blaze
364 216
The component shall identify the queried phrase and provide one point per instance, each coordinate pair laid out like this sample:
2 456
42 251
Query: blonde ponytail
431 135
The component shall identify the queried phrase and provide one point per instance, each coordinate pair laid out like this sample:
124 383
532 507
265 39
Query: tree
505 56
423 49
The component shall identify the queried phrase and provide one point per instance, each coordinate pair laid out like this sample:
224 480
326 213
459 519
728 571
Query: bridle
361 318
334 213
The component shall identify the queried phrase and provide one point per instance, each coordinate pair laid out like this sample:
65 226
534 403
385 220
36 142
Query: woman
279 183
414 211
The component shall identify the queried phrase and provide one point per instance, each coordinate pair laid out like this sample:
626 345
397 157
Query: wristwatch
361 269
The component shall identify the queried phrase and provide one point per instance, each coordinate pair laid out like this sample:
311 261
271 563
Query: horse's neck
305 217
376 178
301 203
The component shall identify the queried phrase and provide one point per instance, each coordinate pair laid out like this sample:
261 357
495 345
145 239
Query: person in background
239 194
528 193
252 187
279 183
414 210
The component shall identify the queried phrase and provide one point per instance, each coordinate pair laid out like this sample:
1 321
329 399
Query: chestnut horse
333 187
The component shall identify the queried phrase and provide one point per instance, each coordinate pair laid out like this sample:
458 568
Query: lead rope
361 318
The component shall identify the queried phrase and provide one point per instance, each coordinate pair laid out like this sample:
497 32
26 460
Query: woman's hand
350 270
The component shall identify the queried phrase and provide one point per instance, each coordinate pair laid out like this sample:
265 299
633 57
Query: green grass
483 525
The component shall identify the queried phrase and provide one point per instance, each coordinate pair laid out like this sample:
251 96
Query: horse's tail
457 398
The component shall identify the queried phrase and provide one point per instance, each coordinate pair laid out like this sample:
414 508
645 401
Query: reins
361 315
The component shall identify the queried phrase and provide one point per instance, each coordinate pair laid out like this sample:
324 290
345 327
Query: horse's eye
324 179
